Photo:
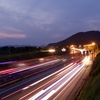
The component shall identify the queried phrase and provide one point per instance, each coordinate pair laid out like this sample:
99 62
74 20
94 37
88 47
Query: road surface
58 83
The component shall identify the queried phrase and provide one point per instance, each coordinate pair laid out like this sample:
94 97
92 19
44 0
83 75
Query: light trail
22 98
46 63
48 95
7 71
47 77
71 74
19 85
71 64
9 62
86 62
30 84
15 70
59 85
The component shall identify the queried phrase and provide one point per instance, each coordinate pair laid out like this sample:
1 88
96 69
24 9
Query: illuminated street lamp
96 47
93 43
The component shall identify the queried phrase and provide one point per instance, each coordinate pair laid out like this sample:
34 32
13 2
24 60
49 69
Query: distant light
21 64
73 48
41 59
51 50
93 43
63 49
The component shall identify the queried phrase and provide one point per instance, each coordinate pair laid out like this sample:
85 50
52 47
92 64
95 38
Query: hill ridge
79 38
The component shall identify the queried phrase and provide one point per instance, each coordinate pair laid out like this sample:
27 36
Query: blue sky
38 22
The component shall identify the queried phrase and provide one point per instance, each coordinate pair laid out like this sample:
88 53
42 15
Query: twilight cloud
14 36
46 21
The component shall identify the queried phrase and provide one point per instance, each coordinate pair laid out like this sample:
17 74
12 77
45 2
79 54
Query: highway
58 83
14 72
15 66
18 73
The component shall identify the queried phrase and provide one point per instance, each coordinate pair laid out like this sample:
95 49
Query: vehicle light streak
68 77
2 63
22 98
29 85
59 93
49 95
54 84
62 78
35 96
65 70
46 77
84 59
7 71
22 69
11 94
22 83
71 64
15 70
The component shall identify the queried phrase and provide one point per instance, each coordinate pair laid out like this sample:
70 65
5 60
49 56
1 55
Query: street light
95 44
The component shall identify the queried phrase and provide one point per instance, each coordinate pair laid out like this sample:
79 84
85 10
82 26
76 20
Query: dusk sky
38 22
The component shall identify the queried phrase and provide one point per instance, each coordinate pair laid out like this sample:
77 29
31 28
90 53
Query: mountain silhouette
79 38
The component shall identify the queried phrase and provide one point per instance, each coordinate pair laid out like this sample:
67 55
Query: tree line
9 50
8 53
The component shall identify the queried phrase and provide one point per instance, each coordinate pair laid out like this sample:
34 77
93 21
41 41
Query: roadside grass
91 90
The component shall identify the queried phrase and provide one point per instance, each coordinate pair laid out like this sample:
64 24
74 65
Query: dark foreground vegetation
8 53
91 91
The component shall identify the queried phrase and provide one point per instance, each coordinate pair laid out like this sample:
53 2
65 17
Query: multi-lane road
61 81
